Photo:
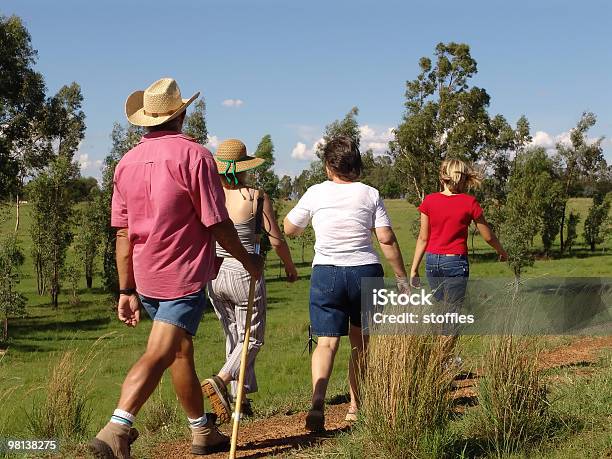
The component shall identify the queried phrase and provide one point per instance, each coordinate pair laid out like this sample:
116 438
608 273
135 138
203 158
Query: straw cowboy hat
232 158
157 104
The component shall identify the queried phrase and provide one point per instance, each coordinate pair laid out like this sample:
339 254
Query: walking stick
247 329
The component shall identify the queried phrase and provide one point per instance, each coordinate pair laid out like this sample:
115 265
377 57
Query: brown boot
113 441
208 439
216 391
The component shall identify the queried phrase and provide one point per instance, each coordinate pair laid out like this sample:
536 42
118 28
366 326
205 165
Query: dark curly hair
342 157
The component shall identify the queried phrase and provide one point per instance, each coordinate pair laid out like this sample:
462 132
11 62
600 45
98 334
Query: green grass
37 342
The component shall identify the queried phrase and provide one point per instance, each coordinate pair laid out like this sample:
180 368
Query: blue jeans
448 277
335 297
185 312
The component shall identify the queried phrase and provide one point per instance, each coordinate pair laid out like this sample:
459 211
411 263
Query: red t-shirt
449 219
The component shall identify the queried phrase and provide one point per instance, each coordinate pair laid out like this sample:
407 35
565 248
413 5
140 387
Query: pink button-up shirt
167 193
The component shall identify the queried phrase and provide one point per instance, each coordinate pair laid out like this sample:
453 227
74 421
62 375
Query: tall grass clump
405 396
62 411
514 409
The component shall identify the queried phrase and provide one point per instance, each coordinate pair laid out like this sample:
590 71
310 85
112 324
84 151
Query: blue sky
295 66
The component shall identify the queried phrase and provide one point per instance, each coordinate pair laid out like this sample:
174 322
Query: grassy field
37 341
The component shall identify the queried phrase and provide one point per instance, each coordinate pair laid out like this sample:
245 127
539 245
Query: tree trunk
89 280
5 329
592 247
561 241
17 214
303 249
473 250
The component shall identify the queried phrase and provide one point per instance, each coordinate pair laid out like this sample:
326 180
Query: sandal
351 415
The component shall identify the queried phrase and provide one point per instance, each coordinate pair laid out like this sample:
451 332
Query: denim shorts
335 297
447 276
184 312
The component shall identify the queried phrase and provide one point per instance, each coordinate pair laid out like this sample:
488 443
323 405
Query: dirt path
282 433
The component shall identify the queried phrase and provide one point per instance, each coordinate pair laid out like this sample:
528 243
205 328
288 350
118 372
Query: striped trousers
229 295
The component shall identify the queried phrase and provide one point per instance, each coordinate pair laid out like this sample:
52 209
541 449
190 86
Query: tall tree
52 210
195 123
445 116
12 303
123 139
597 221
65 120
22 106
535 189
264 177
87 239
580 160
285 187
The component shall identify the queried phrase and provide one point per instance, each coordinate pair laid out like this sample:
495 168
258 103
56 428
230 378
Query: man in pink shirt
169 209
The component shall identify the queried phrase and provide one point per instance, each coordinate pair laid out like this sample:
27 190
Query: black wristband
127 291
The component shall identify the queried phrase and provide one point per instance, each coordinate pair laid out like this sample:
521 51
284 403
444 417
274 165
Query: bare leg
185 380
359 345
143 377
322 365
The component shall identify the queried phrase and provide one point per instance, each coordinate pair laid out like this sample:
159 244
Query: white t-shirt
343 216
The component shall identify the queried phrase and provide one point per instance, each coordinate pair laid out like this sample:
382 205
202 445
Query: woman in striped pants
229 292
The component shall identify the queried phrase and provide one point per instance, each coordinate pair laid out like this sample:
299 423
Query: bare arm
125 268
421 245
291 230
226 235
489 237
128 307
391 250
277 240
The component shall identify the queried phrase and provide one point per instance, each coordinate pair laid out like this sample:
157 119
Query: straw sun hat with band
159 103
232 158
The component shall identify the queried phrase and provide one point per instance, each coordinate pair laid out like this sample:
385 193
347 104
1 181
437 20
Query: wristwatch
127 291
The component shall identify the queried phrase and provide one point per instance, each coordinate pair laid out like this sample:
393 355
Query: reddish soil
282 433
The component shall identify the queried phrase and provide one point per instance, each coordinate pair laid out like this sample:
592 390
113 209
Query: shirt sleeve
424 207
204 187
476 210
303 211
381 217
119 217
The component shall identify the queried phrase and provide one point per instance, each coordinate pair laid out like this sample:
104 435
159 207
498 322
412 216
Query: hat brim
134 110
243 164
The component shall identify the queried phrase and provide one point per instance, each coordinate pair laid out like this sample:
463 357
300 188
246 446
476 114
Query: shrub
405 392
63 411
514 409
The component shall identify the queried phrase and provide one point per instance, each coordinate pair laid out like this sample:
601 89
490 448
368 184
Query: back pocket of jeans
323 278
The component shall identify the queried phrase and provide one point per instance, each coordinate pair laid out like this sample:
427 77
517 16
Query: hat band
156 114
231 164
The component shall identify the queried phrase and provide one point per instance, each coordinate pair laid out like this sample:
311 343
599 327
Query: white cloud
301 152
212 142
84 161
98 162
232 102
375 140
549 141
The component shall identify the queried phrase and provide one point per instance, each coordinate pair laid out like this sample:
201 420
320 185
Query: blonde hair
458 176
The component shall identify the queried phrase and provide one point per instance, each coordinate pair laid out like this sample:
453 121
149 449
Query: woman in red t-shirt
445 218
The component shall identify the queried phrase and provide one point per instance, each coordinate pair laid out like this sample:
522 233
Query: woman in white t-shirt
344 213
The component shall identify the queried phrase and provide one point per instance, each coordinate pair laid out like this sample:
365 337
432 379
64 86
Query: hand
291 272
503 255
403 285
128 310
254 265
415 280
